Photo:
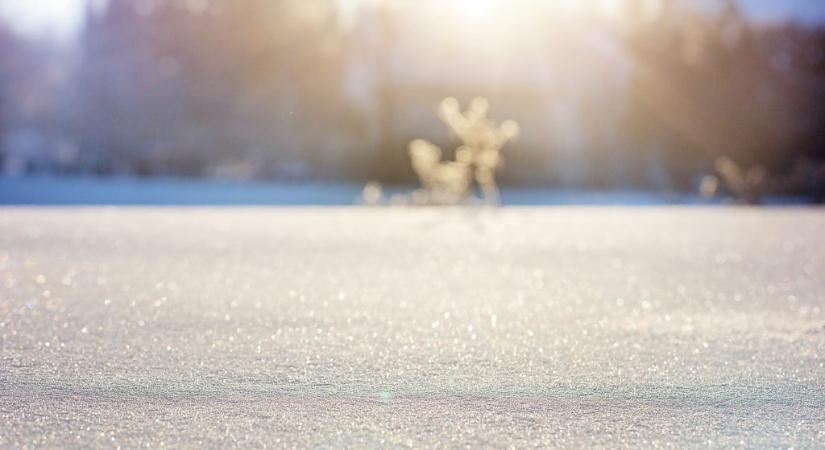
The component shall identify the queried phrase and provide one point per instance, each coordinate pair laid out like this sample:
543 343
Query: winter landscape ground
389 327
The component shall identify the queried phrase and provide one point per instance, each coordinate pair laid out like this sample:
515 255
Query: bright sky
804 10
61 17
58 17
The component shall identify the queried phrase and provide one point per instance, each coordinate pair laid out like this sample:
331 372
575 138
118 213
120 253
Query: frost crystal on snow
376 328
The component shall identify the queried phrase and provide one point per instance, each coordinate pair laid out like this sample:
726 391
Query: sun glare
484 12
493 11
475 9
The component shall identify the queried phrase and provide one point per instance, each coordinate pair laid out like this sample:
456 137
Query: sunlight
475 10
493 12
610 8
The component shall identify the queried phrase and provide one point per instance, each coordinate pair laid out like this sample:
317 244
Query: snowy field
381 328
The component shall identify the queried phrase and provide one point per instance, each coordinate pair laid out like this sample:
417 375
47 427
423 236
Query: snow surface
389 327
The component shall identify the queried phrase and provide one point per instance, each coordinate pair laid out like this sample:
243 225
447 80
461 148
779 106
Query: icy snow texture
557 327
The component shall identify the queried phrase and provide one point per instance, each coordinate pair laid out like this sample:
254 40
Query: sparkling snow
357 327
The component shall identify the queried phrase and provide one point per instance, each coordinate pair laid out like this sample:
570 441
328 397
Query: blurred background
611 95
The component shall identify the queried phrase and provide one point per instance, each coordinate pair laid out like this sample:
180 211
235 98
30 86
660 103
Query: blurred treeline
308 89
197 88
706 87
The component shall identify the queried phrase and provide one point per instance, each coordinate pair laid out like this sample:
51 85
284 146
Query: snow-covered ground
342 327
